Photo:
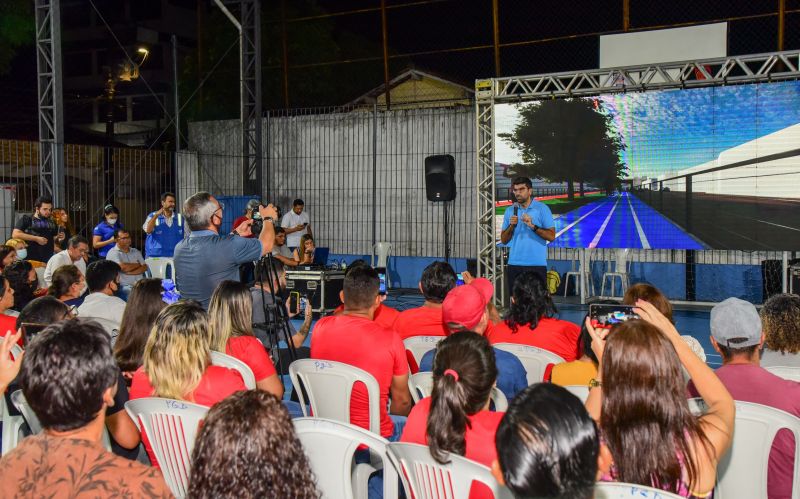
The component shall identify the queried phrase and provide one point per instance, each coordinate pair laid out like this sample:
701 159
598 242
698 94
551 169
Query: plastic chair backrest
621 256
421 385
330 446
329 385
425 478
18 399
225 360
158 267
420 345
171 427
620 490
785 372
534 359
382 251
742 472
580 391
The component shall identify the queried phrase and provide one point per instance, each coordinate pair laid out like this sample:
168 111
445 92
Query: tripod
276 318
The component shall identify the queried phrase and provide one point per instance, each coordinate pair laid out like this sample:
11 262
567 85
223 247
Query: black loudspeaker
440 178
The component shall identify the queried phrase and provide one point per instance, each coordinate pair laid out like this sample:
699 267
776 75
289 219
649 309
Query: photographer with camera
206 258
250 209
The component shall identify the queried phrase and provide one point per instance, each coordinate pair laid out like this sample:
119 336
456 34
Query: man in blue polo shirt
164 228
527 227
206 258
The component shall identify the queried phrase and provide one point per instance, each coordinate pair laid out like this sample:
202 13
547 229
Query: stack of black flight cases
321 287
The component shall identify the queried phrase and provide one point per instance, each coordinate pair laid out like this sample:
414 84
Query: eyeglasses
72 311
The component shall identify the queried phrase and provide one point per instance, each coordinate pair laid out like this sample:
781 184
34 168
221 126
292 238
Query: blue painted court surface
620 221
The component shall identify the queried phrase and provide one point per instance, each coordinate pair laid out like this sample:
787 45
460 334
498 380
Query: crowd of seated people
636 425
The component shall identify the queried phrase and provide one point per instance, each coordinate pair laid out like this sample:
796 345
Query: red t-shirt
362 343
420 321
553 335
239 221
216 384
8 323
250 351
479 437
384 314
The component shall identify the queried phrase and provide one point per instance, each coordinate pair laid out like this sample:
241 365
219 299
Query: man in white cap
736 334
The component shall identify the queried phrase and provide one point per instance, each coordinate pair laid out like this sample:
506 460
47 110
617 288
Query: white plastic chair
621 490
620 271
785 372
420 345
534 359
425 478
742 472
12 425
329 385
421 385
157 266
582 277
381 252
580 391
40 276
18 399
171 428
330 446
225 360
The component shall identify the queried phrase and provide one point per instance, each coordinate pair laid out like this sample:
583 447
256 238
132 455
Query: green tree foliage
16 29
568 140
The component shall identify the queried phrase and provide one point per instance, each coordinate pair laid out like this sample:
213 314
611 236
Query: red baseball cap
466 304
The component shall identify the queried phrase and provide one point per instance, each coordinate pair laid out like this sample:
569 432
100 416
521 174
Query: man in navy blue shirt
465 309
206 258
527 228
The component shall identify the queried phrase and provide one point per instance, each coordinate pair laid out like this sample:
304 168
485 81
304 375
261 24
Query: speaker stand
446 232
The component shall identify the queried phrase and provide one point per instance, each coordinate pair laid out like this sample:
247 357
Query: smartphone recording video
294 302
607 316
459 279
382 288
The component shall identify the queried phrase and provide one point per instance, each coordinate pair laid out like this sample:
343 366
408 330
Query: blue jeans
294 408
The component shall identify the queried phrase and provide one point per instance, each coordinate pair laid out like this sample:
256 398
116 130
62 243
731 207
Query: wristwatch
595 383
535 227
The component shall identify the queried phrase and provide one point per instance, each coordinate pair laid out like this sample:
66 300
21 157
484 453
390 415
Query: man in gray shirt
129 259
206 257
281 251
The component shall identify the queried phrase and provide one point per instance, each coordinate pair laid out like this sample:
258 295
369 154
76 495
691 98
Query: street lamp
126 70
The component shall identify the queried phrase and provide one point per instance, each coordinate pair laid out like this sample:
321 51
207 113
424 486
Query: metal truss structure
249 26
687 74
51 114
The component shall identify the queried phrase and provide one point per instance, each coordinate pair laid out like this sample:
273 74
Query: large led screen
704 168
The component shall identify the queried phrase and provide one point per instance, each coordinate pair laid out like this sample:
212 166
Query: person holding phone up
527 240
296 224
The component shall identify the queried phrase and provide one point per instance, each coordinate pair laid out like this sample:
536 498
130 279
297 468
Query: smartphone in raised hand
608 316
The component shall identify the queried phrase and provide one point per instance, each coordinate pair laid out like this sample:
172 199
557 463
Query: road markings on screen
642 236
576 222
599 234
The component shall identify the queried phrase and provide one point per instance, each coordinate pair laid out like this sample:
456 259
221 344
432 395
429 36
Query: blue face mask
22 253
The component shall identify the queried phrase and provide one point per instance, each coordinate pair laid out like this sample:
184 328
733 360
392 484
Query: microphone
516 209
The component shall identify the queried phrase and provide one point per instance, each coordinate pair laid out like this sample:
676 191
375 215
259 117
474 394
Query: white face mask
111 221
22 253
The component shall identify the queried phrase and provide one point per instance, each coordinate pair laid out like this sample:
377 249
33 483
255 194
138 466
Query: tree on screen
568 140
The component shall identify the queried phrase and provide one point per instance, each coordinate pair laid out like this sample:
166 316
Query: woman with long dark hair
230 314
456 417
144 304
640 403
103 233
7 255
247 448
23 280
531 320
548 445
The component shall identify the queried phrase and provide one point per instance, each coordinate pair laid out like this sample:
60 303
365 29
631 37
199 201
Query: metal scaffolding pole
249 26
51 117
